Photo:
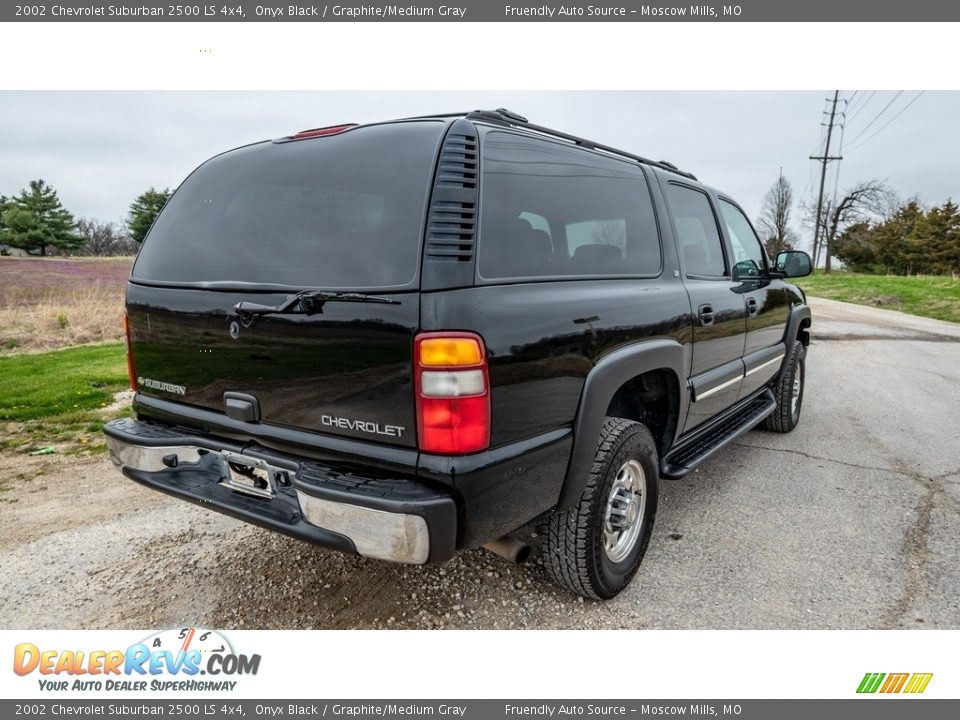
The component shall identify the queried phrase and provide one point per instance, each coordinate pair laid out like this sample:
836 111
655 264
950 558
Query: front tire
594 549
788 392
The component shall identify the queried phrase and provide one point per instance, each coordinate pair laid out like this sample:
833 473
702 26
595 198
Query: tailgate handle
242 407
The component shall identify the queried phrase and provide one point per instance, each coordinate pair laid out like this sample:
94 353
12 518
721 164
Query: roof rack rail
502 116
433 116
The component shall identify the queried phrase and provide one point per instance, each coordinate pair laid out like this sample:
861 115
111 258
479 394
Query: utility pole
824 159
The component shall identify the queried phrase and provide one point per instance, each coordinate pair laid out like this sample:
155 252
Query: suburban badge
161 386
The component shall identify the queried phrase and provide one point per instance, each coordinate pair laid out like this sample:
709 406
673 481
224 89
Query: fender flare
797 317
601 384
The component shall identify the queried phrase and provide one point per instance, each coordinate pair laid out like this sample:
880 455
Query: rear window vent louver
458 162
451 233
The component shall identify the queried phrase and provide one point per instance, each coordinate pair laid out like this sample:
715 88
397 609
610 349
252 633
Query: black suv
410 338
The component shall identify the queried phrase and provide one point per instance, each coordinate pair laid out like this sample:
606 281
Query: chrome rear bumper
394 519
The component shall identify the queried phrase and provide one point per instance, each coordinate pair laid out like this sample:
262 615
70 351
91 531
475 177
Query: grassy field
929 296
48 303
60 398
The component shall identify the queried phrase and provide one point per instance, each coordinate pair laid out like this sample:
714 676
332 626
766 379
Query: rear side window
343 211
548 210
697 231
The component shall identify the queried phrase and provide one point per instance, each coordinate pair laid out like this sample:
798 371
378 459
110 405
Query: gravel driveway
851 521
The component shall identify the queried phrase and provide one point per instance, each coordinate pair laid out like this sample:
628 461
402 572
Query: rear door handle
705 313
752 306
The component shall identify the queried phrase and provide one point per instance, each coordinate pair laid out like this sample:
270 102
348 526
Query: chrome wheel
595 547
625 511
796 390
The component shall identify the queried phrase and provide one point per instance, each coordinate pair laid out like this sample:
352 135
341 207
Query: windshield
343 211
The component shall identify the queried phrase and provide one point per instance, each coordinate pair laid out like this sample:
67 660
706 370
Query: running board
705 441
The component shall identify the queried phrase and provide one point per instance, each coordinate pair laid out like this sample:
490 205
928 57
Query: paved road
851 521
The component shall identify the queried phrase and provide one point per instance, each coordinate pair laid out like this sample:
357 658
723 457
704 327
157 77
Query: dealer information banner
487 11
195 672
213 709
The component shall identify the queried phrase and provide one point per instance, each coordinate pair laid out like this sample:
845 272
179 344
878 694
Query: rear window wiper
309 302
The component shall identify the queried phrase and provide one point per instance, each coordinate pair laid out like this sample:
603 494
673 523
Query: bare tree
866 200
774 219
104 238
610 232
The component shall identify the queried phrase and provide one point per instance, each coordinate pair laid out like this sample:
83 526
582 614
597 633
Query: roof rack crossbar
502 116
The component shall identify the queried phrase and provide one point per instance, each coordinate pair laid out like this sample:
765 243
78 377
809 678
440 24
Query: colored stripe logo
913 683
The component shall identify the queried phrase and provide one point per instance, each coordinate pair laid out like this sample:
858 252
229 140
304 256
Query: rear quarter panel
543 338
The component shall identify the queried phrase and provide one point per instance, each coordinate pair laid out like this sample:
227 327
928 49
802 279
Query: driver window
748 255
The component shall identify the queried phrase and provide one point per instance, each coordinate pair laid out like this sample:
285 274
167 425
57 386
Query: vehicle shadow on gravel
249 578
311 587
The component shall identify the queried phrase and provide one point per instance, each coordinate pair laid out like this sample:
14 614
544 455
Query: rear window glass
551 210
343 211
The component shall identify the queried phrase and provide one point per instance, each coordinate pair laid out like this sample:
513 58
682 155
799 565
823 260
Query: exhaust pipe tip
509 548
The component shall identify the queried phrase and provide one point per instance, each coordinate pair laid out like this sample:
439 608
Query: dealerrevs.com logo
183 659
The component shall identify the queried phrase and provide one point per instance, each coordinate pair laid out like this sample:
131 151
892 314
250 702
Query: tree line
36 222
912 241
868 229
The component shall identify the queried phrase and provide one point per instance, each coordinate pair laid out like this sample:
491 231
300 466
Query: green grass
58 397
930 296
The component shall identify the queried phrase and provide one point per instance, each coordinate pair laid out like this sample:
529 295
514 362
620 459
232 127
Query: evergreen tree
144 210
891 239
934 248
856 248
36 220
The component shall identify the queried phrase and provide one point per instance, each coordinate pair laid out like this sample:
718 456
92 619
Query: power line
877 116
863 104
852 100
879 130
864 100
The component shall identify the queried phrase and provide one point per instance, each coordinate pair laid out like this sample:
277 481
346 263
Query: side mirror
746 270
794 263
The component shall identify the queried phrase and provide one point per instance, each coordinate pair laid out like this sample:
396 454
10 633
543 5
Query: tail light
131 370
453 393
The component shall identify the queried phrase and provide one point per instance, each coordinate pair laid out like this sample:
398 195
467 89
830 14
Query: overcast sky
101 149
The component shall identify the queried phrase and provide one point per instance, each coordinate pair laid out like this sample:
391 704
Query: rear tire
594 549
788 392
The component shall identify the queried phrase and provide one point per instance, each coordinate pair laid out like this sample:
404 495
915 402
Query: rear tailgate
342 212
345 372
